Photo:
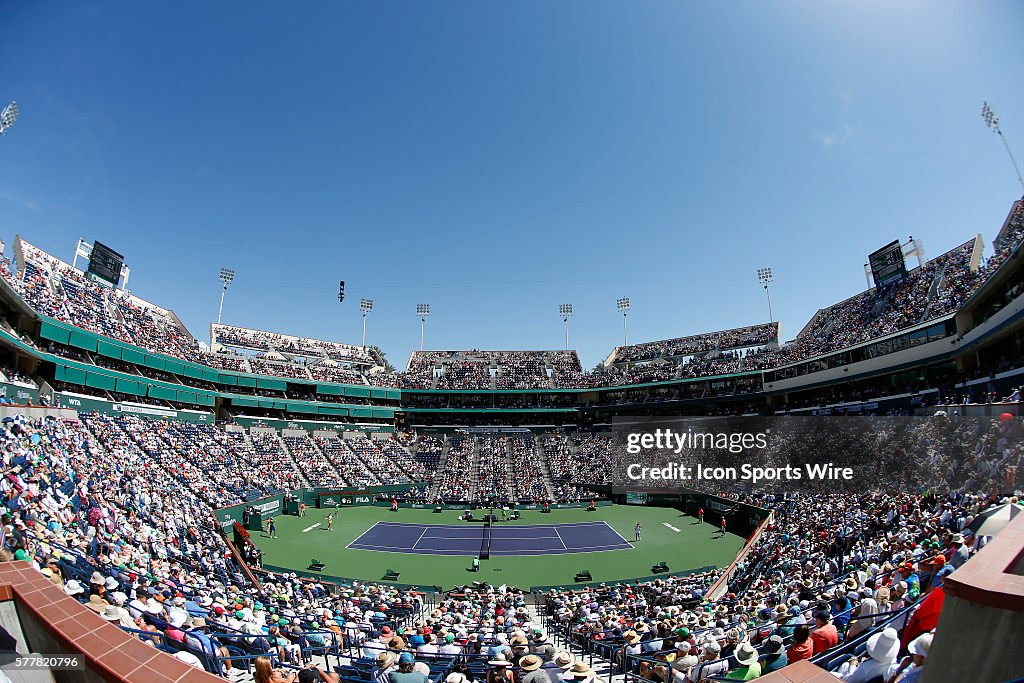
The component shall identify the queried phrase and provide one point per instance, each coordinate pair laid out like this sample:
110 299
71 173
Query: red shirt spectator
825 635
802 647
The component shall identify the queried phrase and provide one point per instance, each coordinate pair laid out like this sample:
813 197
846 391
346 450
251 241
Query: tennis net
485 541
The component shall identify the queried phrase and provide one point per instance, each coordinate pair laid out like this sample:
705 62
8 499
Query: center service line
671 527
310 528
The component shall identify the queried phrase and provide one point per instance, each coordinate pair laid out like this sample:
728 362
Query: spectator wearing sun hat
175 623
538 642
775 658
111 614
711 662
580 672
564 661
881 650
531 664
520 648
383 665
958 551
919 648
631 645
747 658
499 669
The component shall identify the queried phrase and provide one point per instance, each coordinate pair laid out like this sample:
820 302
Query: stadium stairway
288 454
354 471
474 466
316 446
933 290
507 452
604 671
439 468
538 451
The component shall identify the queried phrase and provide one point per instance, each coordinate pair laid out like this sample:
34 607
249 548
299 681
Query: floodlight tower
623 306
764 275
565 310
227 276
365 305
8 116
992 121
423 312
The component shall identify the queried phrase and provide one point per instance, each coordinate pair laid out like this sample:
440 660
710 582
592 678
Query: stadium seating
929 292
350 467
274 342
862 579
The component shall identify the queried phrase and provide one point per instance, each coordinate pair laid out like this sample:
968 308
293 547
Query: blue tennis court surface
525 539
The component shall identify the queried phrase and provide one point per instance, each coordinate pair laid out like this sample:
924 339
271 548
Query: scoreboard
887 264
105 263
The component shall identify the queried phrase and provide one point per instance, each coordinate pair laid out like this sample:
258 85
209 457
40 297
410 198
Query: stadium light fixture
227 276
565 311
341 291
764 276
8 116
991 120
365 305
623 305
423 312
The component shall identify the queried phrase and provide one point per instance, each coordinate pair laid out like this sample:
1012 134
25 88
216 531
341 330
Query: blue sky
496 160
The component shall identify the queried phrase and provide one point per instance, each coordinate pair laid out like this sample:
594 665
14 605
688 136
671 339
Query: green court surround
691 547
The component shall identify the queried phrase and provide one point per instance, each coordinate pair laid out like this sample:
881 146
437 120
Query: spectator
405 672
882 649
265 673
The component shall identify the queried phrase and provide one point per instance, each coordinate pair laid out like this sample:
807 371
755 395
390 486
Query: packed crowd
260 340
577 461
931 291
351 468
527 474
263 365
387 460
739 338
475 369
12 374
828 570
327 372
55 289
143 553
450 481
491 472
311 461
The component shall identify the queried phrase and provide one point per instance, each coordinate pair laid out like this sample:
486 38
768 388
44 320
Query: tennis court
366 541
472 539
